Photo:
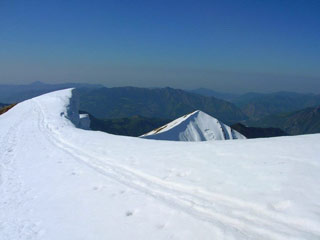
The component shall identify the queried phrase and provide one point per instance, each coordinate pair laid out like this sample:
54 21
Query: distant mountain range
258 105
165 103
102 102
211 93
299 122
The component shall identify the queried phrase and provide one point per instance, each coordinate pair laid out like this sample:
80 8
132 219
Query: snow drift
61 182
194 127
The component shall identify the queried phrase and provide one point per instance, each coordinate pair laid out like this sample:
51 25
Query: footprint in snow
129 213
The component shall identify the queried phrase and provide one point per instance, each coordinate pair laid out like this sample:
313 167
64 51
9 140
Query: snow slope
194 127
62 182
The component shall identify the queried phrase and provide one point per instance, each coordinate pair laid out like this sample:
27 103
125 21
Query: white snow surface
194 127
61 182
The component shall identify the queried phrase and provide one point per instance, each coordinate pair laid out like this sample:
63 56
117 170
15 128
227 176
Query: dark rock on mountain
5 108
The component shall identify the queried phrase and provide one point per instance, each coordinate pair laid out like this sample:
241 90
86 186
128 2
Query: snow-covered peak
195 126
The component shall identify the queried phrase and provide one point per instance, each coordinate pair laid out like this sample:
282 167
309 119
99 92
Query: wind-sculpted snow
194 127
62 182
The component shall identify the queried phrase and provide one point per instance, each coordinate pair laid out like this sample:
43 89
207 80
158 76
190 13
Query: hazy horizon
229 46
154 87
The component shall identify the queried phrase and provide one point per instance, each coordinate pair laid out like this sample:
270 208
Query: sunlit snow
62 182
194 127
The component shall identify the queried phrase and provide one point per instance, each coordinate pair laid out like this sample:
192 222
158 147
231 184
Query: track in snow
249 219
13 194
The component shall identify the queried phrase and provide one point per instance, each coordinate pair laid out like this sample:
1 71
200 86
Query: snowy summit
194 127
58 181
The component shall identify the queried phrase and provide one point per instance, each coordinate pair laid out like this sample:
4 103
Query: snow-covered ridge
195 126
61 182
63 106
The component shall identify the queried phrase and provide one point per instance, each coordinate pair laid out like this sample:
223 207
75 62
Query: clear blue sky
235 46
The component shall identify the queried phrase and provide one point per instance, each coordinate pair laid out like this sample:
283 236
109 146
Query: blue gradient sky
234 46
